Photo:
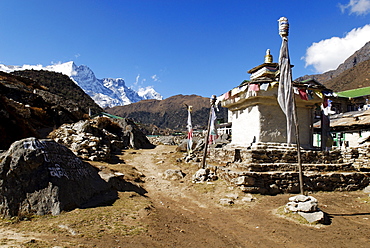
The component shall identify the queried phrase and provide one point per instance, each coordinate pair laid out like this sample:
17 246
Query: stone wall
273 169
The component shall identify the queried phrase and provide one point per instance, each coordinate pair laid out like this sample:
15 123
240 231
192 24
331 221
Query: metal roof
355 92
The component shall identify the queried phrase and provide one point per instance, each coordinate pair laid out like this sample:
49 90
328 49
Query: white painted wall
245 127
260 119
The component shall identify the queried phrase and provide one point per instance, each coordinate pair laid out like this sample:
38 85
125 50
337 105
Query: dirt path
183 214
184 217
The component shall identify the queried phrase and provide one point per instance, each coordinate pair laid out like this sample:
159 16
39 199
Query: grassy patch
120 219
365 199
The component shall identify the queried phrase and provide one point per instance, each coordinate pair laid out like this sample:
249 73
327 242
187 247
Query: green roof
355 93
108 115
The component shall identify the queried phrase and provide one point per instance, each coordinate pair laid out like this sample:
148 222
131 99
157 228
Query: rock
367 189
183 147
317 216
233 196
173 175
274 189
302 203
200 176
98 138
307 207
248 198
243 180
222 140
205 175
199 145
226 201
166 140
299 198
42 177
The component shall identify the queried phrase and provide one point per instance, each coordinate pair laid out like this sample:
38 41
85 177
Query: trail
184 217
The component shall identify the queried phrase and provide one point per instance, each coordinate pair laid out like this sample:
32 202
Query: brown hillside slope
360 56
353 78
168 113
28 108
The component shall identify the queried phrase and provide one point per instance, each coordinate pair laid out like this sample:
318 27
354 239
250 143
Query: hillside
33 107
61 85
351 74
353 78
169 113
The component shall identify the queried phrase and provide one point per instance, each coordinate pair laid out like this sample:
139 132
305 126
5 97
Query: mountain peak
107 92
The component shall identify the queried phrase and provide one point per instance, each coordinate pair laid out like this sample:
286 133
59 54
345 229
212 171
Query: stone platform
273 169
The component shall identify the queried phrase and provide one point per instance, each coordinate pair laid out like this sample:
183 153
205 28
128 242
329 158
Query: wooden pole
213 101
284 32
300 172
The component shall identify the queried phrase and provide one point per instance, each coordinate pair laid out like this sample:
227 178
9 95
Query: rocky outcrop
29 108
96 139
42 177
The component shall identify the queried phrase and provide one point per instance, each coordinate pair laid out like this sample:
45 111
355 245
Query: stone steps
275 182
260 167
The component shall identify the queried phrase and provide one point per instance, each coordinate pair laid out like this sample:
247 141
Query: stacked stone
268 155
305 206
86 140
205 175
97 138
363 156
275 182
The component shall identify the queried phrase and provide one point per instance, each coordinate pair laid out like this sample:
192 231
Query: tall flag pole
286 94
212 101
190 131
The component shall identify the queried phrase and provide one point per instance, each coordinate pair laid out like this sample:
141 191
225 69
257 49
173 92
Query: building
350 118
256 115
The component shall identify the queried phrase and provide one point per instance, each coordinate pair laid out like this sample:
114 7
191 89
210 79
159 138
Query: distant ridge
351 74
353 78
170 112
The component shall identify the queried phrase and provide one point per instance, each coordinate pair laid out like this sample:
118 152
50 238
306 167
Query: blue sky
201 47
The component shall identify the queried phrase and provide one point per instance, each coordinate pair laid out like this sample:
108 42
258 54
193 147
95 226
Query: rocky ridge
351 74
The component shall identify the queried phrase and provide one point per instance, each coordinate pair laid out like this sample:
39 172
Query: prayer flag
190 131
212 127
303 94
285 90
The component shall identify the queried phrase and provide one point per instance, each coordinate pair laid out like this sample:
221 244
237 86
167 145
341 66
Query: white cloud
358 7
330 53
155 78
136 80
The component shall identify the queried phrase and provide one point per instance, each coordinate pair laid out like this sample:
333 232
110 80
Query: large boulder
137 138
97 138
42 177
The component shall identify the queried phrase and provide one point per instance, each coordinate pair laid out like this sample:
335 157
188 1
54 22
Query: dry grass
123 218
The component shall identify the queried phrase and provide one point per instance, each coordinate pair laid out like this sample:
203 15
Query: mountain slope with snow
106 92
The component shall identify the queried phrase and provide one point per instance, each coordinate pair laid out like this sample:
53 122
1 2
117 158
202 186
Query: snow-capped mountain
106 92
